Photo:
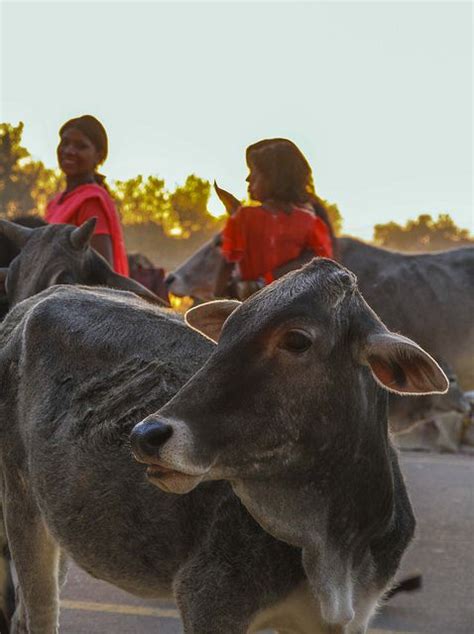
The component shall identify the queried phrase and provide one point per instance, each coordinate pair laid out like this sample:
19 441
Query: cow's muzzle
148 437
149 442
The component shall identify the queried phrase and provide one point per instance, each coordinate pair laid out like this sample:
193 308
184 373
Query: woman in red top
290 223
82 148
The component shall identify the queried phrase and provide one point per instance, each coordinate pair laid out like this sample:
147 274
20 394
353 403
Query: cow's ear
209 318
401 366
230 202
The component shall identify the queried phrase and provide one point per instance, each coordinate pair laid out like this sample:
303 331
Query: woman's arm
101 240
102 243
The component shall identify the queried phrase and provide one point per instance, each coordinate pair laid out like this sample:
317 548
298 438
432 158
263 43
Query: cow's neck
334 525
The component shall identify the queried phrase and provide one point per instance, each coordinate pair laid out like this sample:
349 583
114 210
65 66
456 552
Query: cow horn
16 233
81 237
230 202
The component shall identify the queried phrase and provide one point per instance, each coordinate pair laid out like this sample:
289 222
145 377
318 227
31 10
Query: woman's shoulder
92 190
93 194
244 212
245 209
304 208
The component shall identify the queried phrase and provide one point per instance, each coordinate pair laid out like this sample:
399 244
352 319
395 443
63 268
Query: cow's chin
173 481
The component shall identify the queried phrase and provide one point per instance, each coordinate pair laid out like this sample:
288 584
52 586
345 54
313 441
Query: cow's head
196 277
291 408
58 254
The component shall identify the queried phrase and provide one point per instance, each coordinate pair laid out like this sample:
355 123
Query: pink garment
87 201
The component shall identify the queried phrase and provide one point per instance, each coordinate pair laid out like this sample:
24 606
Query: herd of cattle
301 515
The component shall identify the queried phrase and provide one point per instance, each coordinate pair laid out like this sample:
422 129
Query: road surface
442 491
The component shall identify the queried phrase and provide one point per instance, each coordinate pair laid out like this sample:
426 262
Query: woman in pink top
82 148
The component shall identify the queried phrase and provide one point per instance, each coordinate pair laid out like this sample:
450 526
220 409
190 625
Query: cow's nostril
150 436
169 279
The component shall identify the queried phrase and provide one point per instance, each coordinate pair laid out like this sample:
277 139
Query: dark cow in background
146 273
58 254
288 409
427 296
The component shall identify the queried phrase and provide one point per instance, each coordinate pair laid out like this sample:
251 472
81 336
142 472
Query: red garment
83 203
261 240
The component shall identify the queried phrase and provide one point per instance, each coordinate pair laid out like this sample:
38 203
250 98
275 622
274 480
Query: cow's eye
296 341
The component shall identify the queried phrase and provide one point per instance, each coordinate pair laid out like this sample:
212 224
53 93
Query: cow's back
428 297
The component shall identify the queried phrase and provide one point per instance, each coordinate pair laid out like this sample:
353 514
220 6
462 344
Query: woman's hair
286 171
93 129
287 174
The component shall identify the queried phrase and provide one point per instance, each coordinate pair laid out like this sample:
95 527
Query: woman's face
77 155
257 184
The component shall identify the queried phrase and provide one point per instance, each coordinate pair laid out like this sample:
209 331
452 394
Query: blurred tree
189 205
142 200
180 214
25 185
422 234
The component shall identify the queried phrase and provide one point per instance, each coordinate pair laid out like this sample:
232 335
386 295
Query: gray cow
59 254
427 296
301 439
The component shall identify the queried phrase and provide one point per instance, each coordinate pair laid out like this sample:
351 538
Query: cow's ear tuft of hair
399 365
81 236
209 318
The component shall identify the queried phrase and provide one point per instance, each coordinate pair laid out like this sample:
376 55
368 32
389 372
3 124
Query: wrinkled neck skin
334 515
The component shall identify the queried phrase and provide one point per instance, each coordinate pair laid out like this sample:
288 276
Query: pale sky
378 96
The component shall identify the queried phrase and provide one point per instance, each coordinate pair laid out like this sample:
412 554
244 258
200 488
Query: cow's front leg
213 597
7 590
36 557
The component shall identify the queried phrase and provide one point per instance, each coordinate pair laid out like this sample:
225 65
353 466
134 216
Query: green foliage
189 206
422 234
25 185
141 200
180 213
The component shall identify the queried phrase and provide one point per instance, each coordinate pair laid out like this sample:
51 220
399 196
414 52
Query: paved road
442 490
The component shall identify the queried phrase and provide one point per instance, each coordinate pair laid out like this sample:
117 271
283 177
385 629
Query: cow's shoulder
91 329
84 312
